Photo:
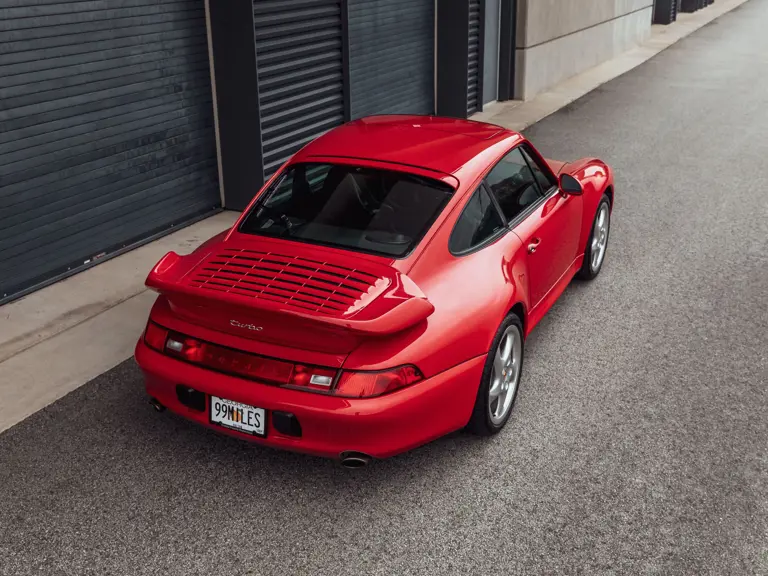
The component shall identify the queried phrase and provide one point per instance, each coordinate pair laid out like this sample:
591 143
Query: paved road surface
639 444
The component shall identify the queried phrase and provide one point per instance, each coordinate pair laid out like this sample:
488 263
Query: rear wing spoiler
390 304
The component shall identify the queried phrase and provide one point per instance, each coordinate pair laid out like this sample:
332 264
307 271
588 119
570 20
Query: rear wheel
500 381
594 255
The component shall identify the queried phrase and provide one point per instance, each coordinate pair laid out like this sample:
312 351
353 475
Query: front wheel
500 380
594 255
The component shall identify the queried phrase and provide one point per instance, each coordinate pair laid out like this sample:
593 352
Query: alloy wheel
600 238
505 374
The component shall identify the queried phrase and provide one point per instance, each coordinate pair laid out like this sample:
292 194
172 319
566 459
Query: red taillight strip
155 336
239 363
266 370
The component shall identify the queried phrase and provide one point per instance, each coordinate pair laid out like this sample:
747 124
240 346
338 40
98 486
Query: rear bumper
380 427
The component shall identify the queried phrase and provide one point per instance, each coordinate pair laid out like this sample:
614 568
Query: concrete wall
557 39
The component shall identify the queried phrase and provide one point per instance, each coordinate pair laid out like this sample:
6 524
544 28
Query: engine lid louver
294 282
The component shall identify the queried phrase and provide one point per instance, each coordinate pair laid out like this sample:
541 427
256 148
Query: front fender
595 177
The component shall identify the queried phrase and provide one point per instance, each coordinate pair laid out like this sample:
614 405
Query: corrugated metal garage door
474 72
300 69
391 56
106 130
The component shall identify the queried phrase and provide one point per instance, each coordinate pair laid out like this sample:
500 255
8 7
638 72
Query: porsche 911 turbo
377 292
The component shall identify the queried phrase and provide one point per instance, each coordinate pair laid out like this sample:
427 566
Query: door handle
533 245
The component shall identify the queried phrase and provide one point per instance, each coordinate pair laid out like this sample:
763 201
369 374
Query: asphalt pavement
639 444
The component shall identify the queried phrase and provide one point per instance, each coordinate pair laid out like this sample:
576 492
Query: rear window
380 211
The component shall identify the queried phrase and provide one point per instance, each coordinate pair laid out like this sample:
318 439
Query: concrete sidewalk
58 338
62 336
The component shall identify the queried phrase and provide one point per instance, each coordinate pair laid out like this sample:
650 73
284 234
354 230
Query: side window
513 184
479 221
545 181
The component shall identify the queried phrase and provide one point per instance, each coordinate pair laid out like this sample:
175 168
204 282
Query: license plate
237 416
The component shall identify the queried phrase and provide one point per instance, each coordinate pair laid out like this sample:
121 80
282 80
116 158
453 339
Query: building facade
557 39
121 120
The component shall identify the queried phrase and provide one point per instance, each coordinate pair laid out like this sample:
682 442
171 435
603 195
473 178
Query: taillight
154 336
366 384
249 365
228 360
312 377
260 368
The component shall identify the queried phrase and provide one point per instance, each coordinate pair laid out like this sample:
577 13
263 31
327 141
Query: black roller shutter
474 61
300 73
391 56
106 131
665 11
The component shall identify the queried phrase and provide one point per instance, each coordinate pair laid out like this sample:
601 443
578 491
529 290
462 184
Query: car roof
438 144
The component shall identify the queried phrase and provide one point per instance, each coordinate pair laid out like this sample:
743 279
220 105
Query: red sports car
377 292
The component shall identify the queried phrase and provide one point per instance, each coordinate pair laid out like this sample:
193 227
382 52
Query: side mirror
569 185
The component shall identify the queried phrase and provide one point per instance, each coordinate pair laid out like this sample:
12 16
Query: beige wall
557 39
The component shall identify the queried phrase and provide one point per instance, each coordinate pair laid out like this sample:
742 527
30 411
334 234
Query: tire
588 270
484 420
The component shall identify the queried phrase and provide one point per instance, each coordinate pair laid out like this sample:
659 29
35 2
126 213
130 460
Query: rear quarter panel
471 295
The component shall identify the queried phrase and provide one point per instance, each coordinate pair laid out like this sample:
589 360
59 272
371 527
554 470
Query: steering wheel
277 215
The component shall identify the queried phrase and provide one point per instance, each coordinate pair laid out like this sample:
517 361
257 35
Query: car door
546 221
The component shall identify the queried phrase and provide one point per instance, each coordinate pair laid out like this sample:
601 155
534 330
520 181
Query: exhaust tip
351 460
156 405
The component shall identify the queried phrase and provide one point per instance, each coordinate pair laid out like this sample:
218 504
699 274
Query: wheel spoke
507 344
595 245
601 219
516 375
498 364
495 390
